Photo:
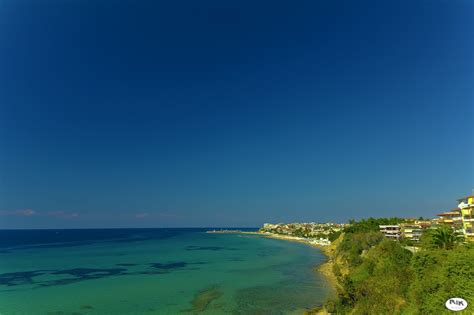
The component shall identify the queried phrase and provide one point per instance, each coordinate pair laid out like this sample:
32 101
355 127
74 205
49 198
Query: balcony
446 221
468 231
463 205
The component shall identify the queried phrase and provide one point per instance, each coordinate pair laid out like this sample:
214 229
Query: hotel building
466 208
452 218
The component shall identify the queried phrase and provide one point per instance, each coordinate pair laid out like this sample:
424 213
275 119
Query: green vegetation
371 224
439 275
379 276
445 238
333 235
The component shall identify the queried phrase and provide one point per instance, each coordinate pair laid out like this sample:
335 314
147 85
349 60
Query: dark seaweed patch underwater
82 274
188 271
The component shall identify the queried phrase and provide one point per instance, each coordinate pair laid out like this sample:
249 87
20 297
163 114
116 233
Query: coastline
326 268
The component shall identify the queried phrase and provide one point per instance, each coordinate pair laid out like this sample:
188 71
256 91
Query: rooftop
448 213
464 198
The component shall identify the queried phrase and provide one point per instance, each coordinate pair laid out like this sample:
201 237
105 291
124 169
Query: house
390 231
411 231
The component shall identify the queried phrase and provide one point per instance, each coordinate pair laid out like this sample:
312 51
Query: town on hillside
410 230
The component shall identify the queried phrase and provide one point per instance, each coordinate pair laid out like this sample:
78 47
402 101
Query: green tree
438 275
446 238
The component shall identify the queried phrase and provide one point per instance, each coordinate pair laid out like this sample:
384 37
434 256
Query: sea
156 271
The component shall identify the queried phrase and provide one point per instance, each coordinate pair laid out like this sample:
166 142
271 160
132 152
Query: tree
446 238
438 274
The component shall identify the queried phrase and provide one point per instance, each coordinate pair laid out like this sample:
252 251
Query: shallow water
155 271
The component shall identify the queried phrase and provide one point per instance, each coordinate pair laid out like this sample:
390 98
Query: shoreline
326 268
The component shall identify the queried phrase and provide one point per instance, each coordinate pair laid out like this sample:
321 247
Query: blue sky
175 114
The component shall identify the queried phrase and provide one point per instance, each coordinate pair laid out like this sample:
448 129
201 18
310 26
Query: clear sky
233 113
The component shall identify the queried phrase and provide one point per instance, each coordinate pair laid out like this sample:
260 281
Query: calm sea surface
155 271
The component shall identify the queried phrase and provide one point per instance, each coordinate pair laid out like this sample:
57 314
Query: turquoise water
174 271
